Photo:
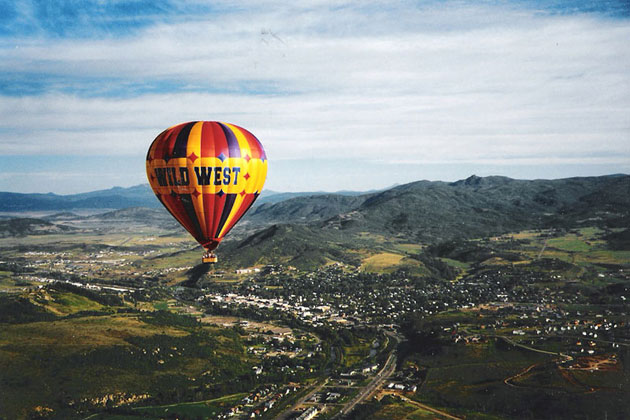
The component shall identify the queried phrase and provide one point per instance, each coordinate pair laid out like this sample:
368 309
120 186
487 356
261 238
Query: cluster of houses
341 295
315 315
327 397
363 371
258 402
591 334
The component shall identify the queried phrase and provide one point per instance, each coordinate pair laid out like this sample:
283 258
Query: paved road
316 388
387 370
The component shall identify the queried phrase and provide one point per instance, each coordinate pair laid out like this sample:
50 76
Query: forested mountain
475 206
309 230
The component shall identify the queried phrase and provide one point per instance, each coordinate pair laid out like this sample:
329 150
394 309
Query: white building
308 414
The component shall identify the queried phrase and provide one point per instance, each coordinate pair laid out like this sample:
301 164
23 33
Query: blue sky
343 97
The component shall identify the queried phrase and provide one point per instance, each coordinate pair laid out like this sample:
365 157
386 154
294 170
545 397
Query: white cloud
472 83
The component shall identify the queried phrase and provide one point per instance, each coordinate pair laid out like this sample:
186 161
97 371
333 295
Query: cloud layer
480 85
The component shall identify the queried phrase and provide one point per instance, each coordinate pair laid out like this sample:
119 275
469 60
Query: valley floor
124 323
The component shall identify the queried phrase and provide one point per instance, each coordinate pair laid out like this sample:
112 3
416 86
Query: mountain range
427 212
120 198
113 198
311 228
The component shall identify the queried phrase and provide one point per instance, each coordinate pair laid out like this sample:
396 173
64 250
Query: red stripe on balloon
257 150
213 141
156 142
158 150
162 151
175 206
208 203
207 140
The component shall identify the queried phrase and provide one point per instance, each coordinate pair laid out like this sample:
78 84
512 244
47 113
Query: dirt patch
230 321
603 363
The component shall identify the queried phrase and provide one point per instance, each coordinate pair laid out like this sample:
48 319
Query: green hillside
301 246
341 228
434 211
307 209
63 353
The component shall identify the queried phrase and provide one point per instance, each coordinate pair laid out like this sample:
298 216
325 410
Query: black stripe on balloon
192 215
233 147
179 149
227 207
234 222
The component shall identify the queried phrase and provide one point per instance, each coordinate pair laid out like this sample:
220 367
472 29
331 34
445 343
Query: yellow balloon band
207 175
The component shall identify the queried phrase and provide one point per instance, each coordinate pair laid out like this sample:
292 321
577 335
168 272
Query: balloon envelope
207 174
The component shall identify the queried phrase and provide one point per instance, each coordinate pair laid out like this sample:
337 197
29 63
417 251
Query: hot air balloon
207 174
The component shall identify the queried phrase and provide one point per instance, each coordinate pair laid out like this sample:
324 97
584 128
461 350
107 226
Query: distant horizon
268 190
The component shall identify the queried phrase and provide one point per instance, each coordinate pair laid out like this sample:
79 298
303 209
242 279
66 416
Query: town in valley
111 315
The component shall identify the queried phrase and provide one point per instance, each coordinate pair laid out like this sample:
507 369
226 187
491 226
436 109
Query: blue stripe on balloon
179 149
233 146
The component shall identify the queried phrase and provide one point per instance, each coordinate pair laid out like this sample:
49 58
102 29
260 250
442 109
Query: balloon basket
209 258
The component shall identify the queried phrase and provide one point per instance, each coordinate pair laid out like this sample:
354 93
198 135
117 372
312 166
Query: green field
388 262
80 362
203 409
356 355
582 247
397 410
